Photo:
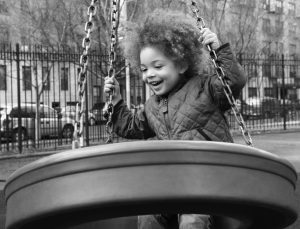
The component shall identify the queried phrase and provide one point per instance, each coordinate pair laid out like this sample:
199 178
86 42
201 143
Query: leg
157 222
194 221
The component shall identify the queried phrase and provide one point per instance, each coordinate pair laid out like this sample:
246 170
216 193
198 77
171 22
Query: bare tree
60 25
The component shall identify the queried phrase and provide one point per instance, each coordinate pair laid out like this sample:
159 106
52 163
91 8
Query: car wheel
92 122
16 136
67 131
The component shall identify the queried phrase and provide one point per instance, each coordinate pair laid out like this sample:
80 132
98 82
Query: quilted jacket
192 111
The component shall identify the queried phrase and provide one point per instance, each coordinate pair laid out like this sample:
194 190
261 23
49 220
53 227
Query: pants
185 221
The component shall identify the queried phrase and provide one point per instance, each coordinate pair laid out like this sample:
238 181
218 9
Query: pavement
284 144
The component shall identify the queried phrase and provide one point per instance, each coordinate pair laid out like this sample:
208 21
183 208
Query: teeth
155 83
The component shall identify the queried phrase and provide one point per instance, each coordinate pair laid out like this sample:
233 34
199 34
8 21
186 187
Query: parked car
69 111
256 107
98 111
51 123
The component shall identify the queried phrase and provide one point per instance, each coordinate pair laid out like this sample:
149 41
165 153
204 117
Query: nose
148 74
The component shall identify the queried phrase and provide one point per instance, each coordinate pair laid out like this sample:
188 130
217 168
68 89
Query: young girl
187 104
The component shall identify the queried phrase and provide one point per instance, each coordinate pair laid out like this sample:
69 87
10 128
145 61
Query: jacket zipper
166 118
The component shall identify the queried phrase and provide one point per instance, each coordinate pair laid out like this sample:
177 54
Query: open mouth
155 83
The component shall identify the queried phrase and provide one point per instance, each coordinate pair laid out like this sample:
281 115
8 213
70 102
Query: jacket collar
180 84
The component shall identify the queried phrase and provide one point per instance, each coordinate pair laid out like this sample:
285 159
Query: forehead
151 54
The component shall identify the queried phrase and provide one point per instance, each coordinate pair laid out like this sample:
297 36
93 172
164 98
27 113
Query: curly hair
175 33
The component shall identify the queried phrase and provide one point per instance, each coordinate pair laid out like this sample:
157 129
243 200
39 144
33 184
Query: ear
183 67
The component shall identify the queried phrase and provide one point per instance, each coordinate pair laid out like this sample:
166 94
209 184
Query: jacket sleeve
234 76
129 125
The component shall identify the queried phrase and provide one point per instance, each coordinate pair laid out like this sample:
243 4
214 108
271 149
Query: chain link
222 77
111 70
81 80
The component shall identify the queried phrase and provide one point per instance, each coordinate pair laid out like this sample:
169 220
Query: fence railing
38 93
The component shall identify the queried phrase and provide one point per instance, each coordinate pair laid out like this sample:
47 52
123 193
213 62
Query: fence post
87 132
240 59
128 84
283 91
19 98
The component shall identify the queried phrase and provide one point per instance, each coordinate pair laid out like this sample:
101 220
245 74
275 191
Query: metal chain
81 80
222 77
111 70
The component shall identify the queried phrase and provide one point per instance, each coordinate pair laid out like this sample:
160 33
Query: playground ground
285 144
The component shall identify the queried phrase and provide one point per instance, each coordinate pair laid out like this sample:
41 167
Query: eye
158 66
143 69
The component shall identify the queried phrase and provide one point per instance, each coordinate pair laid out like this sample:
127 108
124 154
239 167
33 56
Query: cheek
144 78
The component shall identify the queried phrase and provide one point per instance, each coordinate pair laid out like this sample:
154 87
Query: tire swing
249 187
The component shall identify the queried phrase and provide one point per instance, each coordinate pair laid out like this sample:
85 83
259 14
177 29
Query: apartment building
36 63
277 31
279 36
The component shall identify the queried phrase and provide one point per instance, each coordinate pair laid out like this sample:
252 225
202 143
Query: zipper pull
165 105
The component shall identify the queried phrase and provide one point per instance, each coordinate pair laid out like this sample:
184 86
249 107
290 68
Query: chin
160 93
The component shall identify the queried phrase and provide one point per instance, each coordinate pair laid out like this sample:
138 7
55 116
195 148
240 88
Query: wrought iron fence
271 98
38 93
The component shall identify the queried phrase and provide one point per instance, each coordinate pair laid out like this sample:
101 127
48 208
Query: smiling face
159 72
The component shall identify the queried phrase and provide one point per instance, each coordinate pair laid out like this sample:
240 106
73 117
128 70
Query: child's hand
209 38
111 85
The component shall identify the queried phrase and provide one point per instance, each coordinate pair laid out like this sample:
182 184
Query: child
187 104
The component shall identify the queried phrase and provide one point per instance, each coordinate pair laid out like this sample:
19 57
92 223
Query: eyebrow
155 61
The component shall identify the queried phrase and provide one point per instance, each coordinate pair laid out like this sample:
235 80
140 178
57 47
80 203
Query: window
279 6
64 77
4 35
3 86
266 25
266 47
293 71
26 70
278 70
97 93
270 92
3 7
24 4
266 5
46 78
292 28
26 112
47 112
280 47
252 91
292 8
278 27
266 69
25 40
292 49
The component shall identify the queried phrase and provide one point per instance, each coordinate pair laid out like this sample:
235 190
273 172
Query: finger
209 41
210 36
109 85
203 30
208 33
109 88
116 82
201 39
109 81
